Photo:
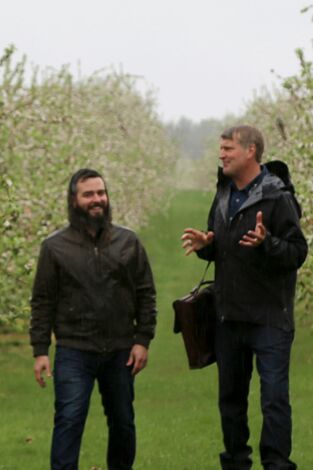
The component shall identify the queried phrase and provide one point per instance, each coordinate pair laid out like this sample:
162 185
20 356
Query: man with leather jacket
94 291
255 241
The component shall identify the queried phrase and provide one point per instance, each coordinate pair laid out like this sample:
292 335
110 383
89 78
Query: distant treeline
194 138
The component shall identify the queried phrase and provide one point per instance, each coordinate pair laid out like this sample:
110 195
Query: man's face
235 158
91 197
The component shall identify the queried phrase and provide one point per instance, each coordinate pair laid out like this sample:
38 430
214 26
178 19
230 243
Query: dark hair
82 175
246 136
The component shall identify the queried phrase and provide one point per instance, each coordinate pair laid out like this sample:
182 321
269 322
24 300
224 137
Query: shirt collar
255 182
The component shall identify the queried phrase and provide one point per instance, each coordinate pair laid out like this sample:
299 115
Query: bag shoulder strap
202 281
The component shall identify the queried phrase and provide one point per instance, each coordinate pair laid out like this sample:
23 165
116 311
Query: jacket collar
276 178
82 237
275 167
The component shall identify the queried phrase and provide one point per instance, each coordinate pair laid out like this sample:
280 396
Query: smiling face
238 162
91 197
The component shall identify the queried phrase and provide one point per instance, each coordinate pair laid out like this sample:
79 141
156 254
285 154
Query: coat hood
278 178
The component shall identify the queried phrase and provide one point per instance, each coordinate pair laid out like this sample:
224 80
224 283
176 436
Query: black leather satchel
195 318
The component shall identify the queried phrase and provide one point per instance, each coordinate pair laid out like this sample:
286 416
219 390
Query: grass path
176 409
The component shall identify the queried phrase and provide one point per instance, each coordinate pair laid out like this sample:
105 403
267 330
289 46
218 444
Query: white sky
205 58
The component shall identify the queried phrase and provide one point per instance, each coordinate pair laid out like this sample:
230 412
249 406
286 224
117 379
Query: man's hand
138 358
255 237
194 240
42 364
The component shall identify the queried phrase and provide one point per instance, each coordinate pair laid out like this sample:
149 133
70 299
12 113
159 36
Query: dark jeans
236 343
75 373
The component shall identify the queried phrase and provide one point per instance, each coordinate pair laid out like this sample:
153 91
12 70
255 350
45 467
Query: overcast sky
204 58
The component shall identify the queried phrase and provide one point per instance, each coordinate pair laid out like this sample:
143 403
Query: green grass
176 409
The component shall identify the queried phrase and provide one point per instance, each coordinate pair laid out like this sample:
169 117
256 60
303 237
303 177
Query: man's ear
252 150
74 202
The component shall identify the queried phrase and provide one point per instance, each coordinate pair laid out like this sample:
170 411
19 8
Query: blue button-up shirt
239 196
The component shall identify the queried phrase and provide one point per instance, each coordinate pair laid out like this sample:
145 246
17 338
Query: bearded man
94 291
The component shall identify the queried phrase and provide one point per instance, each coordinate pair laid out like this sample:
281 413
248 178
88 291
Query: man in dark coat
94 290
255 240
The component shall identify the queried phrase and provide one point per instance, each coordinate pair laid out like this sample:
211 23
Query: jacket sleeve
285 246
43 302
145 299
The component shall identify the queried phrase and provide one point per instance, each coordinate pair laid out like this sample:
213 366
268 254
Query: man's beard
83 220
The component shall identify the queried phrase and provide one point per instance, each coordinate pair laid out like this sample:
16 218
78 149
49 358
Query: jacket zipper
97 259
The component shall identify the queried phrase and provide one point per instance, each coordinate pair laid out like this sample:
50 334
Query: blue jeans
236 344
75 373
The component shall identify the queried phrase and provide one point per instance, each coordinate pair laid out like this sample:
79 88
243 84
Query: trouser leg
234 362
116 385
273 356
73 384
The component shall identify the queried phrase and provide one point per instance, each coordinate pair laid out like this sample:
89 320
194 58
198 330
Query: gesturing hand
255 237
194 240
